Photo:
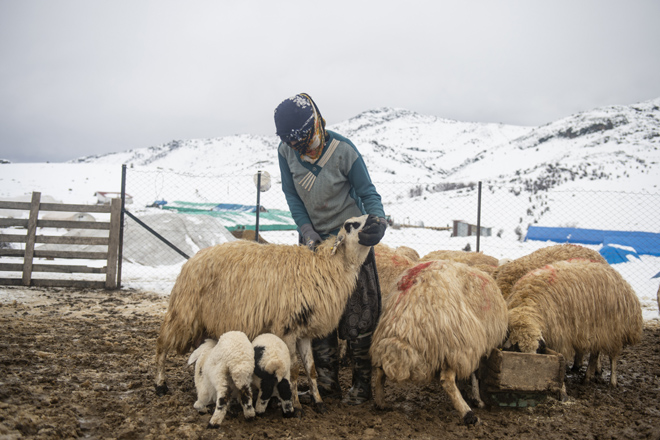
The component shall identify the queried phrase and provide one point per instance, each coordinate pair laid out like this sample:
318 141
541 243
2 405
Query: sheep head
347 240
525 331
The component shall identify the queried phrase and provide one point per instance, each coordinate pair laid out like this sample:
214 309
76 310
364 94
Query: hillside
609 143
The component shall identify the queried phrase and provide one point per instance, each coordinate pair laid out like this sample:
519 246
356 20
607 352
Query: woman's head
299 124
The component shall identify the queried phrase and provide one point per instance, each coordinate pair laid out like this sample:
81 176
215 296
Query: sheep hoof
470 418
305 397
383 407
288 414
161 390
212 426
321 408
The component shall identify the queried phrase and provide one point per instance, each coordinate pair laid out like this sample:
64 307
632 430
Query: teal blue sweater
333 189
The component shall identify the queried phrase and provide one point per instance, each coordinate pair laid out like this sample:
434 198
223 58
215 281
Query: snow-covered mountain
609 143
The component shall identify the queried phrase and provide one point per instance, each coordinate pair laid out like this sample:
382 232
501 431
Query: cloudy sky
86 77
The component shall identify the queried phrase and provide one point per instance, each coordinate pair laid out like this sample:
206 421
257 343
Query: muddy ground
79 364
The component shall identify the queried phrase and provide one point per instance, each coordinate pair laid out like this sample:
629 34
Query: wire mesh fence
192 211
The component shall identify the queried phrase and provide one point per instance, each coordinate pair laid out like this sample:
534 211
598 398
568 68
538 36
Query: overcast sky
86 77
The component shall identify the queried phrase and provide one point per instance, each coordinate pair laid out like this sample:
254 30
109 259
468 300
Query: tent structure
617 246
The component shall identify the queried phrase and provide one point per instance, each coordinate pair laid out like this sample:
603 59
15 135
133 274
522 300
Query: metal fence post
256 226
479 217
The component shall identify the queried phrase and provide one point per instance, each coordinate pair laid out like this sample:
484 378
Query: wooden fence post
113 245
31 238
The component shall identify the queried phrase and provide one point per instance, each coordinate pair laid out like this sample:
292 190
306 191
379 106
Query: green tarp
269 220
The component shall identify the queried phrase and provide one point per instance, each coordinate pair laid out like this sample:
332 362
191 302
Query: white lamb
272 373
224 370
287 290
440 316
575 306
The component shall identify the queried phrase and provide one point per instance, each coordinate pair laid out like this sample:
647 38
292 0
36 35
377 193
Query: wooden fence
109 244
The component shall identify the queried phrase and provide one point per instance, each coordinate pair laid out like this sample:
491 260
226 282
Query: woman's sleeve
365 189
296 205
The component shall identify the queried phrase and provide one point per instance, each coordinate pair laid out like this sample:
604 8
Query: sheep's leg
592 367
563 396
476 394
307 358
613 361
379 388
578 359
284 394
161 353
245 397
221 404
448 382
295 373
205 393
265 393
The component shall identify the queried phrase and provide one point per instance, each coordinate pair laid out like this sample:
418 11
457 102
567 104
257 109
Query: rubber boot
326 360
360 391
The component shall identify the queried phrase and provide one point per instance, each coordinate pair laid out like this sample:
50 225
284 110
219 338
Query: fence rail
109 244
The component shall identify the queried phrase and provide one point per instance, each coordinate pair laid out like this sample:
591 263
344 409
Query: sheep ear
543 348
338 241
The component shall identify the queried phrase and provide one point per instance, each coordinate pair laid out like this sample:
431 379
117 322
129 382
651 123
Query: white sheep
272 373
575 306
223 370
407 251
286 290
476 259
509 273
390 264
440 316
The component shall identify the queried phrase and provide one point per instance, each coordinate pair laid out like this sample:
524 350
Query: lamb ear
338 241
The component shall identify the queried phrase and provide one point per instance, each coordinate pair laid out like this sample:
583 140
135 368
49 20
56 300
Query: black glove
373 231
311 238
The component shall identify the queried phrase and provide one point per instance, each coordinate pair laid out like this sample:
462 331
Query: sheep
272 373
287 290
509 273
407 251
476 259
441 316
224 369
390 265
575 305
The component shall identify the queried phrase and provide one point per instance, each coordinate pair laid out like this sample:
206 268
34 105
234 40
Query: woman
325 181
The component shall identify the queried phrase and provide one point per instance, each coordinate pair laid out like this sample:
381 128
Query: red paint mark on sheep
553 273
407 281
484 282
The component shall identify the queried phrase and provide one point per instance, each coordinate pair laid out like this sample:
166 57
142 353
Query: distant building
464 229
105 197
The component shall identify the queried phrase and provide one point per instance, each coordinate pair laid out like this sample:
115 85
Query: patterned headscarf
298 120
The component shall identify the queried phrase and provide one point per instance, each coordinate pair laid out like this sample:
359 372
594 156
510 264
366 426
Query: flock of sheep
442 314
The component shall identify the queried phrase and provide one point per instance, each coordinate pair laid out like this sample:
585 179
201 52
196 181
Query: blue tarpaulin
615 254
641 243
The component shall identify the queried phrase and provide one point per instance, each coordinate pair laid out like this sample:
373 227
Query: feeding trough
513 379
